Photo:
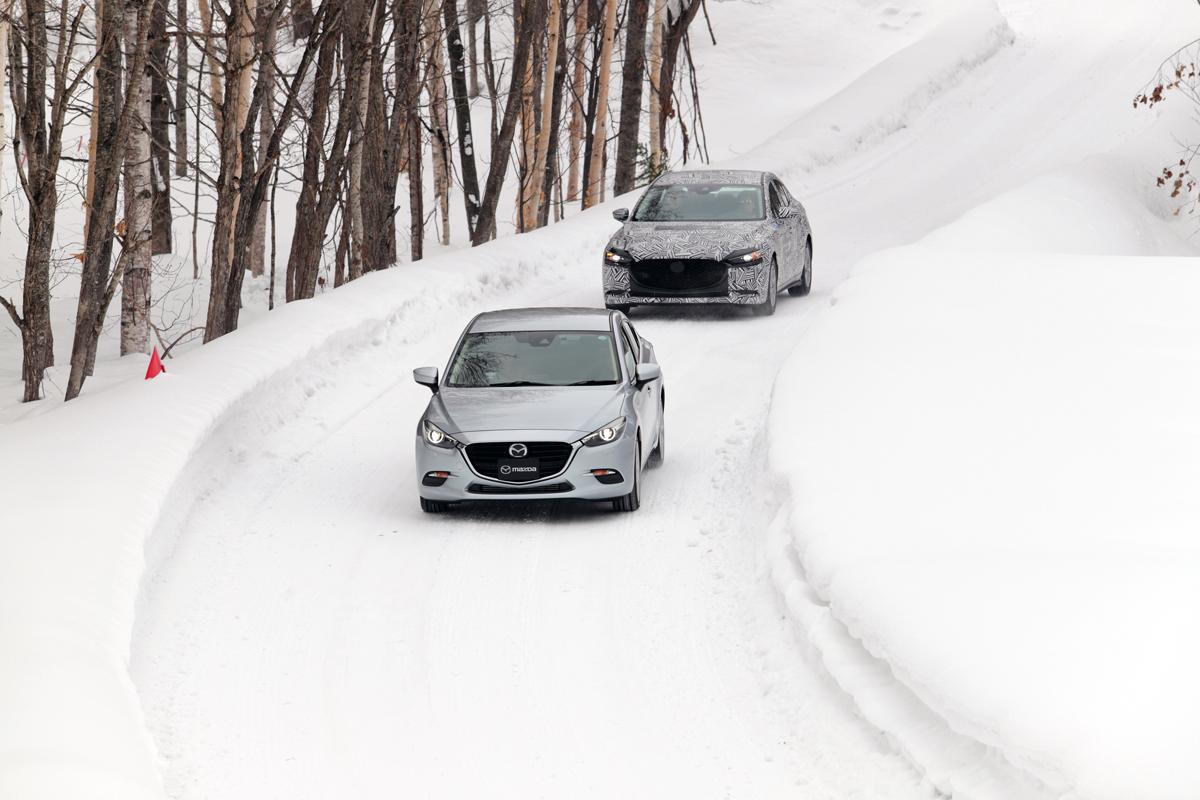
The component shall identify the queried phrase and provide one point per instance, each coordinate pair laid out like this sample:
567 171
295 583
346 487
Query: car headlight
617 258
749 257
605 434
436 436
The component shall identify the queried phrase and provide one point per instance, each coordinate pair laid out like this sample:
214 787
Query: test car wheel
659 453
767 308
633 500
805 285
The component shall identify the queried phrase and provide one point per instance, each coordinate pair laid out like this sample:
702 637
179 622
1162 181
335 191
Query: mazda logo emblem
505 469
518 450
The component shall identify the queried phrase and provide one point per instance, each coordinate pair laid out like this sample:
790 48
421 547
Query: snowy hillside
922 533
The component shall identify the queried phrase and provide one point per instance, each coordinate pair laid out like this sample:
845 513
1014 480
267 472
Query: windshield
700 202
535 358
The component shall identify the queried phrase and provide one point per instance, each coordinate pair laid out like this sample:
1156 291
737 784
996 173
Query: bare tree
266 26
503 140
181 88
39 143
5 9
115 115
439 125
595 179
575 132
654 68
632 75
358 36
462 115
159 123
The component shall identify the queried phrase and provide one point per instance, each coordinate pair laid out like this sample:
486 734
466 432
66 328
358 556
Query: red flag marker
156 366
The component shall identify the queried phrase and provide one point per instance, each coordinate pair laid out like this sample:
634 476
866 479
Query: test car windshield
535 358
700 202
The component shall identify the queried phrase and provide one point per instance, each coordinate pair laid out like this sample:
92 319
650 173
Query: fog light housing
435 478
607 476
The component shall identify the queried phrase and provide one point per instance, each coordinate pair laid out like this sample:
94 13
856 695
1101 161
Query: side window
635 343
777 201
627 354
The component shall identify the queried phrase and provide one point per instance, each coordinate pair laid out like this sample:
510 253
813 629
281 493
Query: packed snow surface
920 532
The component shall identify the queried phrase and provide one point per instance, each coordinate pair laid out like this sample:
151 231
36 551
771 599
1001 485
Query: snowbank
72 549
990 462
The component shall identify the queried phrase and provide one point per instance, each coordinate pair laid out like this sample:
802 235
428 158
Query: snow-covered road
307 632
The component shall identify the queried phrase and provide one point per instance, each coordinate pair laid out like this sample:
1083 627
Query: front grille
692 277
550 488
552 458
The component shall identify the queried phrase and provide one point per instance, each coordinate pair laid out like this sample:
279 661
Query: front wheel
767 308
805 285
633 500
659 453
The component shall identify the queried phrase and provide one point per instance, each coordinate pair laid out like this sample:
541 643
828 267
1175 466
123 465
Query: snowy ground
303 631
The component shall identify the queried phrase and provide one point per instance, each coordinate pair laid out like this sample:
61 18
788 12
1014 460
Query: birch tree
654 69
5 10
575 131
135 283
462 114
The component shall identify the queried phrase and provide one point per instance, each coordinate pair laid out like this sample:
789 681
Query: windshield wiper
592 383
511 384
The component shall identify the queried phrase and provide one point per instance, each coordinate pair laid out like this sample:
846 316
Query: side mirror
787 212
621 214
427 376
646 373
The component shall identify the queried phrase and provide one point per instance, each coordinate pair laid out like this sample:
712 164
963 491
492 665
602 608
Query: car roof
543 319
733 177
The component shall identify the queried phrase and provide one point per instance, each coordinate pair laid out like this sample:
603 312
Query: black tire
805 284
624 309
768 308
632 501
659 454
434 506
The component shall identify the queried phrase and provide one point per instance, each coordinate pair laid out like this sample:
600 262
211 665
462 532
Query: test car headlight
605 434
751 256
617 258
436 436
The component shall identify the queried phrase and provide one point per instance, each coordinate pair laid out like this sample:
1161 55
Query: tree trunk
502 143
387 148
550 170
266 28
539 194
672 40
472 57
302 19
631 96
160 138
118 114
595 180
462 115
181 87
575 131
435 82
318 192
359 33
5 10
139 197
654 70
41 144
530 80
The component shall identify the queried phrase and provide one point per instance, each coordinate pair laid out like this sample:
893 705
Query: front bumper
574 481
743 286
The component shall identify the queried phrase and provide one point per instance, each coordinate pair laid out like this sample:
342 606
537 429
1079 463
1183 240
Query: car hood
578 409
715 240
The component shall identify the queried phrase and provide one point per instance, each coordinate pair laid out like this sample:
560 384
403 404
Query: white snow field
921 533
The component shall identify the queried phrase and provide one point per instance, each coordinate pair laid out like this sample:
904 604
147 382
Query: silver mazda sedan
540 404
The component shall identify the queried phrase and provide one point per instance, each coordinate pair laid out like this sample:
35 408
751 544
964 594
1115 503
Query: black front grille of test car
690 277
552 458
